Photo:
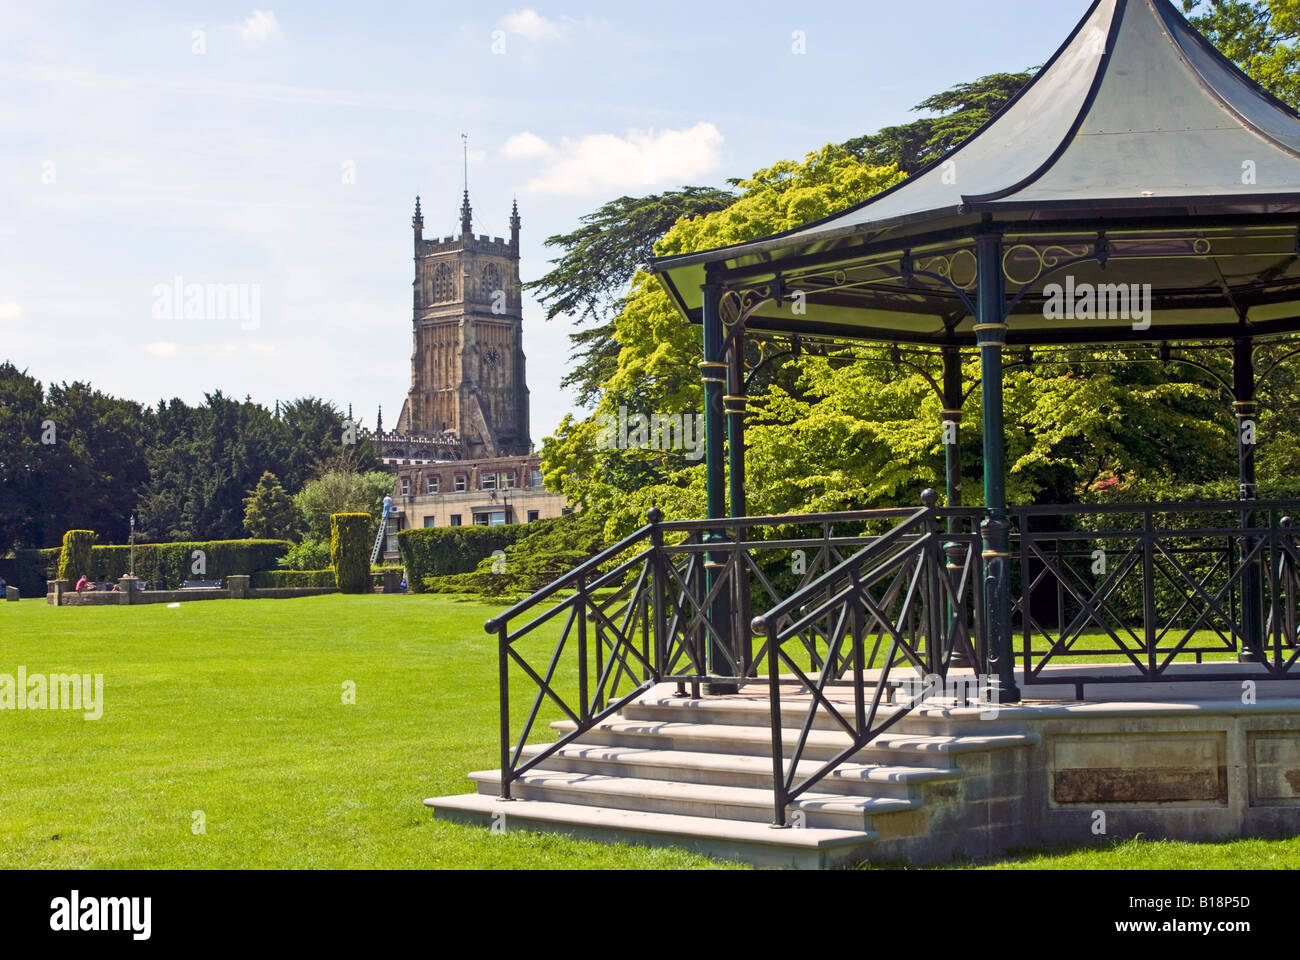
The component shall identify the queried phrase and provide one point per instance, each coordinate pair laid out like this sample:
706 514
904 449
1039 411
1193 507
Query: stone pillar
238 586
11 594
392 581
126 590
57 588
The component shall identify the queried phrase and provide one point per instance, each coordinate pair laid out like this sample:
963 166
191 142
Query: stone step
756 843
890 748
823 810
756 712
734 770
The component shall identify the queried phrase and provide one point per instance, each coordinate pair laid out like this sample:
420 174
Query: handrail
655 618
911 556
555 586
761 622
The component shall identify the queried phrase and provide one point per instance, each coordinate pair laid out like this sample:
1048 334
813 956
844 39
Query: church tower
467 368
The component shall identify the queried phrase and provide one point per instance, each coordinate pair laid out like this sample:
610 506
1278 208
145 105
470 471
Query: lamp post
132 542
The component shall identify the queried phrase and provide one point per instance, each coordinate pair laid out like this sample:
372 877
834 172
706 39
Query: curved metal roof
1135 115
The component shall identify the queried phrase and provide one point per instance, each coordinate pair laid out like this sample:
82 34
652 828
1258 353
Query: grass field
235 710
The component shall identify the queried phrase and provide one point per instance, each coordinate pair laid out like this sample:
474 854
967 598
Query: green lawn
235 709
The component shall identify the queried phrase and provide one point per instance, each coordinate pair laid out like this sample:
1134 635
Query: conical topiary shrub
350 551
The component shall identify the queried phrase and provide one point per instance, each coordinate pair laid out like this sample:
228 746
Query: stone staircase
941 783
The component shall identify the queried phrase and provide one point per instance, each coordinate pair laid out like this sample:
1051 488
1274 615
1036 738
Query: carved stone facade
461 451
467 368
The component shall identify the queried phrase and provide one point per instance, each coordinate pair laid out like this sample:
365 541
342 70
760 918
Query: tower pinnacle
514 223
466 214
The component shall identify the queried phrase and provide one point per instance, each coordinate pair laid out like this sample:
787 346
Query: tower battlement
468 366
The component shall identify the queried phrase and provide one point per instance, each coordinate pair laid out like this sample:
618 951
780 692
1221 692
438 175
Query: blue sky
280 148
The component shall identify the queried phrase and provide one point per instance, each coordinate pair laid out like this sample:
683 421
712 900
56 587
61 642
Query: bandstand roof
1138 144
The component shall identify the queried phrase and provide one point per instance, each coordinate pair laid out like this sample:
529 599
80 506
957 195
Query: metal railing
874 600
1153 586
907 604
670 603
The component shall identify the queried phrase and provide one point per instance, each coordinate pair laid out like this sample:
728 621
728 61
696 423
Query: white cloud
10 311
526 146
260 26
605 161
531 25
163 348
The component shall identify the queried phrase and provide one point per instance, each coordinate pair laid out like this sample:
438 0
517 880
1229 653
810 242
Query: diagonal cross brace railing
639 614
907 567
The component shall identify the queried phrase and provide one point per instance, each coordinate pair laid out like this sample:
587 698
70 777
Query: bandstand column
1247 410
736 403
713 372
953 401
991 332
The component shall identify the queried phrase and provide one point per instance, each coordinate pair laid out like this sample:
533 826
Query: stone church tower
467 369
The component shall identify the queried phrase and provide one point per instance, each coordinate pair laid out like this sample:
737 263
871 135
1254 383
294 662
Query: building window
462 483
487 481
493 518
508 480
431 522
433 484
406 486
455 519
444 284
536 479
533 515
491 281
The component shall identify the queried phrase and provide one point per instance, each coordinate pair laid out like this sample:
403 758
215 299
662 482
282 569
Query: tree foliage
855 427
959 113
589 279
269 511
1261 37
341 488
72 456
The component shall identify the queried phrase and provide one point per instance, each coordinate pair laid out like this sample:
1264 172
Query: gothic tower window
444 284
491 281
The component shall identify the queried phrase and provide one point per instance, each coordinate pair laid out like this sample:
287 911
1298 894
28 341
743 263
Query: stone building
461 451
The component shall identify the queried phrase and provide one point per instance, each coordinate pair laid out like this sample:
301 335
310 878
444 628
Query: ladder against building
383 530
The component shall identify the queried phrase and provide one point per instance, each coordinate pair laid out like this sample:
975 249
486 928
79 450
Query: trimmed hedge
447 551
350 551
165 564
74 558
544 553
274 579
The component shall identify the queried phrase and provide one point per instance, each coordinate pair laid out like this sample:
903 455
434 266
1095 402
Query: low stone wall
127 594
1208 771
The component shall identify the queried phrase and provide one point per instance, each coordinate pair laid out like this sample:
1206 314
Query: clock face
493 357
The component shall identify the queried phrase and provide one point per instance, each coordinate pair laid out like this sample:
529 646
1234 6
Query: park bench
201 585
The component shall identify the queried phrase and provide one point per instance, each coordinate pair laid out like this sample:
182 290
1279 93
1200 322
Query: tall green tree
959 113
269 512
850 429
340 488
589 279
22 458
